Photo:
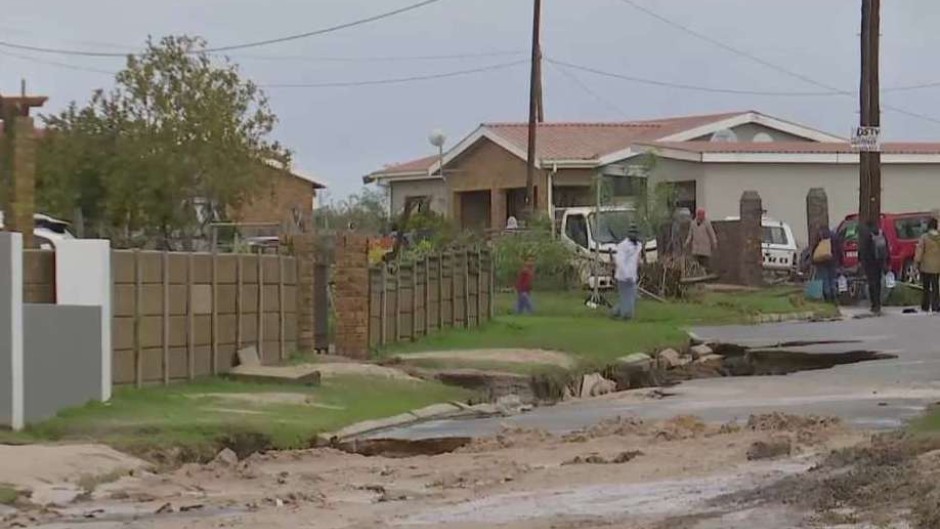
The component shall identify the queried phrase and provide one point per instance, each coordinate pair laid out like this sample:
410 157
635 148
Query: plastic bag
890 280
814 289
843 284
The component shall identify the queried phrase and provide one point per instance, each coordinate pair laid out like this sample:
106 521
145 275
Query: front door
475 210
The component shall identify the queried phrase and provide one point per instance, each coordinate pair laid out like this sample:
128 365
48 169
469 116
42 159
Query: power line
57 64
577 82
727 47
768 64
683 86
323 31
398 80
390 58
254 44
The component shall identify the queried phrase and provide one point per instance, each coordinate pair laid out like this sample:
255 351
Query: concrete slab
248 356
303 375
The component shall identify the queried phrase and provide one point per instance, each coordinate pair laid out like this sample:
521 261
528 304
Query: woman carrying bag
827 258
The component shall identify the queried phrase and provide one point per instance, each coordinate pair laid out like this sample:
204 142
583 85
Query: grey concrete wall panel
62 358
11 340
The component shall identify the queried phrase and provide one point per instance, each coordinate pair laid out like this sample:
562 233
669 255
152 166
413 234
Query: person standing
875 256
827 259
627 273
927 257
524 287
702 239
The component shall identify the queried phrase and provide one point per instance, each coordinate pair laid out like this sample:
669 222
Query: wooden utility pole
539 96
534 89
869 202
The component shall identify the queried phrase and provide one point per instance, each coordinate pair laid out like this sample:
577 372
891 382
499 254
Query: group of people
874 257
628 256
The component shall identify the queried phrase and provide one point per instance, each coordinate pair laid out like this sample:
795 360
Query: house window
418 204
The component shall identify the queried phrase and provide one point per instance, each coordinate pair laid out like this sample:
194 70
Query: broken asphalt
873 395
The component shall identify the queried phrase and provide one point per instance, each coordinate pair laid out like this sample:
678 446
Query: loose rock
711 360
226 458
698 351
775 447
636 359
671 359
594 385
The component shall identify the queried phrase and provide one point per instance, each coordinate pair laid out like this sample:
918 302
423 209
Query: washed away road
715 453
880 394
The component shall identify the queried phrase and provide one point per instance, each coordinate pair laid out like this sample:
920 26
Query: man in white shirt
627 263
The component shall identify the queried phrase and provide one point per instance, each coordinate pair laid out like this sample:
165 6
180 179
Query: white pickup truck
578 229
588 230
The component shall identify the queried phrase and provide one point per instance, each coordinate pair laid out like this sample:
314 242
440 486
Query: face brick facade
283 198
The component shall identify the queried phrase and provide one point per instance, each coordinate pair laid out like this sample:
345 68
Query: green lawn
8 495
204 415
928 423
563 323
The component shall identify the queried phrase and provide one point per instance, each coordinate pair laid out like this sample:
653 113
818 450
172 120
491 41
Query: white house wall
668 170
783 188
400 191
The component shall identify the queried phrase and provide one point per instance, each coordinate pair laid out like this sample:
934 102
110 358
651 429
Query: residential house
287 197
712 159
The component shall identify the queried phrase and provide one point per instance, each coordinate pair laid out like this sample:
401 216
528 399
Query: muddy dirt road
622 473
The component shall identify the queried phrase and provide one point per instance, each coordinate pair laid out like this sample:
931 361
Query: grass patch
203 416
928 423
563 323
8 495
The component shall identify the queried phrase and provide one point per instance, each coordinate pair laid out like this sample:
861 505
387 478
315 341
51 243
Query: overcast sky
339 134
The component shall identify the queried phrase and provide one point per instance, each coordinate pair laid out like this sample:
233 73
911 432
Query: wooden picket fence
407 301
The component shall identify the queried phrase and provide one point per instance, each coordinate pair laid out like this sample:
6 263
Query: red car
902 230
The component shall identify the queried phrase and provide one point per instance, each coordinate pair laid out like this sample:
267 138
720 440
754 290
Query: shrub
552 258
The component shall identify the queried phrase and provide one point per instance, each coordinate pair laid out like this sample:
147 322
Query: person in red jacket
524 287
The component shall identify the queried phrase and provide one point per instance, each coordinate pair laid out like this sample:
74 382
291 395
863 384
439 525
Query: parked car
778 246
902 230
47 231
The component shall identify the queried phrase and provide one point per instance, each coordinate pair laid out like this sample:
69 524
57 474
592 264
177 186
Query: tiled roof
413 166
587 141
794 147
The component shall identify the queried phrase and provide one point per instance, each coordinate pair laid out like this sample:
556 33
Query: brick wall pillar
352 296
305 254
752 210
817 214
24 179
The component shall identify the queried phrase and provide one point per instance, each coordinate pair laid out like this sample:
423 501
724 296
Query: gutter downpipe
551 197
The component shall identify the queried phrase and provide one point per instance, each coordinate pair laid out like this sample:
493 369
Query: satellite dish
724 136
763 137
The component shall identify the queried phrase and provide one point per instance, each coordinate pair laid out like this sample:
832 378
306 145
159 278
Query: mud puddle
638 501
106 516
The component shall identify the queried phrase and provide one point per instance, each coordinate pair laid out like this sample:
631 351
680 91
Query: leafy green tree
182 140
366 212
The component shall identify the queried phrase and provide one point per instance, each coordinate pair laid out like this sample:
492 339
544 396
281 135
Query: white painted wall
433 188
83 277
783 188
